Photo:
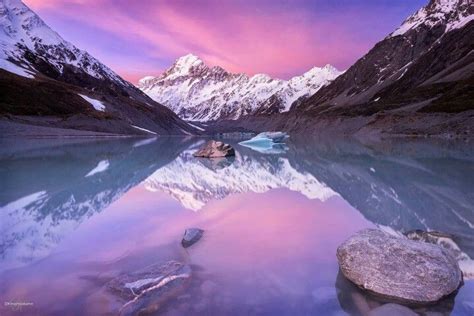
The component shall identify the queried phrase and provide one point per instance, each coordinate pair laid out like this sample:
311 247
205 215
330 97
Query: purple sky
282 38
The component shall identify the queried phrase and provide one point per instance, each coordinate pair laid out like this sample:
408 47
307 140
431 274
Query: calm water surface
74 214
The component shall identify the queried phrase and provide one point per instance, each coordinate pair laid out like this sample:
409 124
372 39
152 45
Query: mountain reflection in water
262 214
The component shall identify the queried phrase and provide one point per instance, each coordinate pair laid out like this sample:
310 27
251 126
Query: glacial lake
75 214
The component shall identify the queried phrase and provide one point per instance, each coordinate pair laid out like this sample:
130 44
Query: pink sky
282 38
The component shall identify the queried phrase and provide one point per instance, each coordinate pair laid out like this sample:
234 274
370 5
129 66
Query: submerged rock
356 301
392 309
146 290
215 149
191 236
398 268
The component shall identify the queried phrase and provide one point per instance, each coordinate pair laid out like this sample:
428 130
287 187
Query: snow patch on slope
11 67
143 129
454 13
98 105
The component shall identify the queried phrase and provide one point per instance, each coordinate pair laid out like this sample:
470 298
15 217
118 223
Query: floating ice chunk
268 147
276 137
267 142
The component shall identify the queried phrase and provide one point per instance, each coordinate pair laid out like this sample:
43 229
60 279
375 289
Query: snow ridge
453 14
23 32
197 92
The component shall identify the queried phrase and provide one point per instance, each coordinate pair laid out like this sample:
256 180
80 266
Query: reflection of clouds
200 182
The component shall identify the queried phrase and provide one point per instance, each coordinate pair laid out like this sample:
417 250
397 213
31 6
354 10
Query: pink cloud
240 38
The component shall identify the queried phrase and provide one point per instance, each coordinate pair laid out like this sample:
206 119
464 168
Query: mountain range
42 75
427 64
419 80
198 92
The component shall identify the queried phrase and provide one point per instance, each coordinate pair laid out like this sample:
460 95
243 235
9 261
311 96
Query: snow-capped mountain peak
453 14
196 92
185 66
23 33
20 24
188 61
145 80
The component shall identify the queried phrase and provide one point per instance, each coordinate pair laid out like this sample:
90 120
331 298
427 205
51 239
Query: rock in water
398 268
145 291
447 241
215 149
191 236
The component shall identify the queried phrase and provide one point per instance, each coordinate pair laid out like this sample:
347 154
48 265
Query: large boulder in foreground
398 268
215 149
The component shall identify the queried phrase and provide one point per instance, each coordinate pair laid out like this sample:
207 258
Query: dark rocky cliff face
418 81
428 59
437 70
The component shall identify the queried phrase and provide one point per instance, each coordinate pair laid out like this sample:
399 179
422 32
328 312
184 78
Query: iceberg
267 142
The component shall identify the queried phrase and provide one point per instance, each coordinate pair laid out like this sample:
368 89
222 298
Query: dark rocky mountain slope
431 64
419 80
47 81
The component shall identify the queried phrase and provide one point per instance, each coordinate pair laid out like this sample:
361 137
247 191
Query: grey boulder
398 268
191 236
215 149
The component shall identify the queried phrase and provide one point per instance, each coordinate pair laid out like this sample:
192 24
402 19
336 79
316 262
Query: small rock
191 236
215 149
399 268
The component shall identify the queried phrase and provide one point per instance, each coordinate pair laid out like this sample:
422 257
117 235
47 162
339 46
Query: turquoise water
77 213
